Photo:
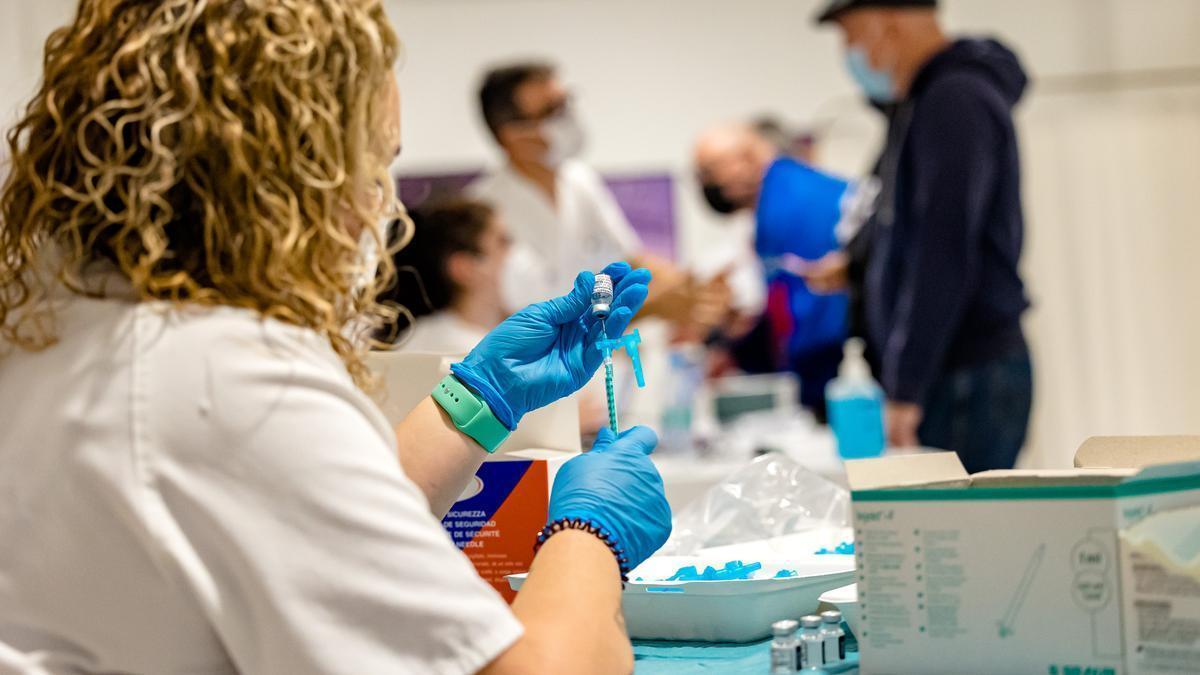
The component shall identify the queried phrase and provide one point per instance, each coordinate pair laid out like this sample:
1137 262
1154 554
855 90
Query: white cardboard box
1011 571
406 378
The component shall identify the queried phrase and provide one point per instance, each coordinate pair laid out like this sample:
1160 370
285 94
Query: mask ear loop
403 339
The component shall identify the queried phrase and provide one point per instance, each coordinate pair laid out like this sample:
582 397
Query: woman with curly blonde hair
193 477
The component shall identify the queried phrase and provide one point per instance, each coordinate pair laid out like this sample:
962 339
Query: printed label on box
497 521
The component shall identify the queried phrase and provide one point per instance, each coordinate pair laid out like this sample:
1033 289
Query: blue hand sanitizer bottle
855 402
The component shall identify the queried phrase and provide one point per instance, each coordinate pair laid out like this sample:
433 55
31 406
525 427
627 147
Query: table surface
688 658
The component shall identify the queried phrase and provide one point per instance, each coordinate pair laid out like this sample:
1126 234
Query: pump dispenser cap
854 362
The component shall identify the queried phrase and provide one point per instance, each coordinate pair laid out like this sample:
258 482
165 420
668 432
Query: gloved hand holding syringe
602 298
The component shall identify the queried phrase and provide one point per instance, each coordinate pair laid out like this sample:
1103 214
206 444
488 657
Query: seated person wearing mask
448 277
798 217
194 480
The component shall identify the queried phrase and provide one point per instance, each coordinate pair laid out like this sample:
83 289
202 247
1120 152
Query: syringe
602 298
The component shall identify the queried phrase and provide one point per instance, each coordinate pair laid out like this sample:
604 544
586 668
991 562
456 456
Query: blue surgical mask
878 85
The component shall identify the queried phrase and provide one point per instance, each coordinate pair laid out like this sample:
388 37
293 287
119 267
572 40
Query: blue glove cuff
488 393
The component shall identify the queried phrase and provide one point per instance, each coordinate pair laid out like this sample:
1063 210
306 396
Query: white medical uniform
553 242
203 491
443 332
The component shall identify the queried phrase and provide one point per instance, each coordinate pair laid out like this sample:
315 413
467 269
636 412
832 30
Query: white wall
1114 326
652 73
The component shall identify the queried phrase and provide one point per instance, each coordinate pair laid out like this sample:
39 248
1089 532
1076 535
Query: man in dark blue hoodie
942 294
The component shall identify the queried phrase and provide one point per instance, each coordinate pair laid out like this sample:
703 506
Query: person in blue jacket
943 293
797 212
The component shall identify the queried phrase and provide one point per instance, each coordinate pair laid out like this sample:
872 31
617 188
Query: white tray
722 611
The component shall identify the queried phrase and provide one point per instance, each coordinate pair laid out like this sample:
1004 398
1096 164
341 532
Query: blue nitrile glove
547 350
618 488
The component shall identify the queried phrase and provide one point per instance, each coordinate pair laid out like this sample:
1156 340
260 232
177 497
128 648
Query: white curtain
1112 195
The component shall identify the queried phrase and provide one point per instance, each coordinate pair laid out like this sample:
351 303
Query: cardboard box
406 378
1018 571
497 519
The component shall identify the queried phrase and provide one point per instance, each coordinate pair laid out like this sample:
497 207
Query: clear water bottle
855 403
783 647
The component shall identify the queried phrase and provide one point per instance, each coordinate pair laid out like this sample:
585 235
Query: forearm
570 607
436 456
670 284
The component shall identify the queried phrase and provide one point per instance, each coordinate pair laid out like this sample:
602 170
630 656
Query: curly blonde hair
215 152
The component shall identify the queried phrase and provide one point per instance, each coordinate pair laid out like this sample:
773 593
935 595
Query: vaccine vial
783 647
602 296
810 642
833 638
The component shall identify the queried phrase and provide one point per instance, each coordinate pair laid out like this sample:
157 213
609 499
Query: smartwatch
470 413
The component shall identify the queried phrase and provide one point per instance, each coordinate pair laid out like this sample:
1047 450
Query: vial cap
784 628
811 621
832 616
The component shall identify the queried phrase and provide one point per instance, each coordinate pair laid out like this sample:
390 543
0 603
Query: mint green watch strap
470 413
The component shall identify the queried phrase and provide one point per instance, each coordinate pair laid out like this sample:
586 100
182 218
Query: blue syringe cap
630 344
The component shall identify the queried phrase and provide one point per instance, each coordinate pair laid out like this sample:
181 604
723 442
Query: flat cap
836 8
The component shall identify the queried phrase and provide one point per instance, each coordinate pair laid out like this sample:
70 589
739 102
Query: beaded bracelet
591 527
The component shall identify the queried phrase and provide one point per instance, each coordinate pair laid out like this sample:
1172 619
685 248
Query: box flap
1050 477
927 468
535 454
1172 537
1136 452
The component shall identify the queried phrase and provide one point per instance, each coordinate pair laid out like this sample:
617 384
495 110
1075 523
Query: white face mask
368 257
564 135
368 245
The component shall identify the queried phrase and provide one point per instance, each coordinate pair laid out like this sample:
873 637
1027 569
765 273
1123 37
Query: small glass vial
833 638
810 642
602 296
783 647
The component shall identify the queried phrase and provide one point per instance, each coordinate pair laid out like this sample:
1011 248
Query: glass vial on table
833 638
810 643
783 647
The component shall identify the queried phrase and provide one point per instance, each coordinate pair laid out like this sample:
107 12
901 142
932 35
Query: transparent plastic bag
773 496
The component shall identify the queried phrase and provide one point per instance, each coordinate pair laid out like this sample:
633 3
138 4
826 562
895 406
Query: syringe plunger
602 296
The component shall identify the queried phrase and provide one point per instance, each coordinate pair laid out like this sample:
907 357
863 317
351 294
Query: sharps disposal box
1087 571
497 519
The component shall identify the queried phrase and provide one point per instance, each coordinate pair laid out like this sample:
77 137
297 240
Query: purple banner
648 201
